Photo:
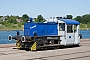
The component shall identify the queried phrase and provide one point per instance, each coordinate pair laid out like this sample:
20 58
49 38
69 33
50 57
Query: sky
47 8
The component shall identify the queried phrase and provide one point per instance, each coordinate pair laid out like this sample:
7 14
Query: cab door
62 33
70 36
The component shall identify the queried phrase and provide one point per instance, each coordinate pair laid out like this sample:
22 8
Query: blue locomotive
52 33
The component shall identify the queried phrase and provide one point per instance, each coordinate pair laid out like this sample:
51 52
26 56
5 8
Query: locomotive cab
69 31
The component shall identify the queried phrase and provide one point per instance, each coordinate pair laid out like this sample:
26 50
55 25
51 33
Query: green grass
11 29
84 28
7 29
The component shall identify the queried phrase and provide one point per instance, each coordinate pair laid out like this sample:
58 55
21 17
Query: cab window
69 29
62 27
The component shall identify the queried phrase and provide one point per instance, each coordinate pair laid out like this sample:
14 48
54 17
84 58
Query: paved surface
74 53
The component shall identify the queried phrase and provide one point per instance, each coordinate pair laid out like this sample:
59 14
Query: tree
86 18
12 19
79 18
25 17
69 16
7 17
39 18
1 16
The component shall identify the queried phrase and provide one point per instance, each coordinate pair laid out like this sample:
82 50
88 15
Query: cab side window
69 29
62 27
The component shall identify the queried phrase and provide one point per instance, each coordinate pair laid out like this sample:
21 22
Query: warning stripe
18 44
33 47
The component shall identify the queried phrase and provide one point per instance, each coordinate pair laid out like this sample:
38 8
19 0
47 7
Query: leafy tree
2 23
79 18
8 17
86 18
39 18
69 16
25 17
83 19
1 16
17 16
12 19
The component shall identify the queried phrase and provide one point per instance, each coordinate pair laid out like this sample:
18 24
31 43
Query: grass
7 29
84 28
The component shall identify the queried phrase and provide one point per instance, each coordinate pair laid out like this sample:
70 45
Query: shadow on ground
50 48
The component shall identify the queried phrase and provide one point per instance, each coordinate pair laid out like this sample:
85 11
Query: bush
88 24
82 25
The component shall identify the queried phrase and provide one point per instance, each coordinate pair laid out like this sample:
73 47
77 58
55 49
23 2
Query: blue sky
47 8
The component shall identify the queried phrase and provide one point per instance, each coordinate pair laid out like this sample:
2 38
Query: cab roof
70 21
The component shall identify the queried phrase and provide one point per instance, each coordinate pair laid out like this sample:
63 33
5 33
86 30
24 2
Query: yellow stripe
33 47
17 44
